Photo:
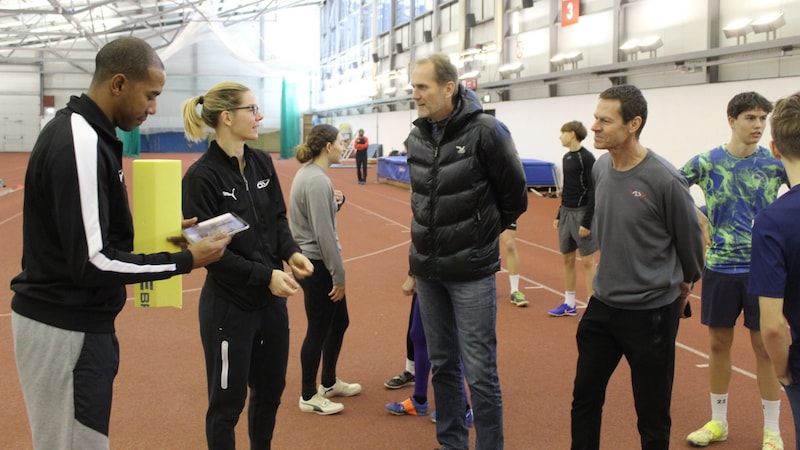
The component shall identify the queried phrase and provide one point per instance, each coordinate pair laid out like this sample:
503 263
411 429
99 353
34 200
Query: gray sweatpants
66 379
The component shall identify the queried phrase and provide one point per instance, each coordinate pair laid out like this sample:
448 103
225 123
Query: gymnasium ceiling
36 30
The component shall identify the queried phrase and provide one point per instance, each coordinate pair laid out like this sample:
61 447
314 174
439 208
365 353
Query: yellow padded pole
157 215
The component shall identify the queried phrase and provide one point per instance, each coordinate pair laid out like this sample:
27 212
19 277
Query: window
403 12
384 16
423 6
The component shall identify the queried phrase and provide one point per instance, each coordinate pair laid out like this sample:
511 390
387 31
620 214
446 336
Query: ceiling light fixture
770 22
511 68
468 75
390 91
650 44
630 48
562 59
738 29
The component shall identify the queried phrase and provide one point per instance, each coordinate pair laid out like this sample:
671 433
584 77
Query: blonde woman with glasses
244 323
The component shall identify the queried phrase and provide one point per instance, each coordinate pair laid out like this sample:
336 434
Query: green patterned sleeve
690 170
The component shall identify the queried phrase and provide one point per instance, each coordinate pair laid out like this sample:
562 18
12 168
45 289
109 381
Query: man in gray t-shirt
648 263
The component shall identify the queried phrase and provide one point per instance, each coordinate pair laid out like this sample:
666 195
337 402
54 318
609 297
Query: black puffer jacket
467 187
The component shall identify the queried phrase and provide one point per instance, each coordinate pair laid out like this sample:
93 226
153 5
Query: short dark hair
130 56
785 126
575 127
632 103
747 101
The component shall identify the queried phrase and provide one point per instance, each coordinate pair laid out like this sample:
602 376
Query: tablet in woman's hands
228 222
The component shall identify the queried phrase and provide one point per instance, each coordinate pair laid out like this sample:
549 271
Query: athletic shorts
724 296
569 239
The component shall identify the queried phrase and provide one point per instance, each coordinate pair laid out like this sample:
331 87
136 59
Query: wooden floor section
160 392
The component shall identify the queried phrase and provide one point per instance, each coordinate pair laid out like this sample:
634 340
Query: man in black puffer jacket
467 185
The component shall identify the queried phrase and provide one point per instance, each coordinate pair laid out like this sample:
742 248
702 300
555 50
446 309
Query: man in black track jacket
76 256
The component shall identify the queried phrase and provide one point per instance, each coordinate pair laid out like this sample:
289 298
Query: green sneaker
713 431
518 298
772 440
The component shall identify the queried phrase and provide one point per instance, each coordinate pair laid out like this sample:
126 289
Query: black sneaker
404 379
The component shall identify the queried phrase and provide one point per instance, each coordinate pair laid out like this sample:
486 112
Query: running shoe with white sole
339 389
320 405
713 431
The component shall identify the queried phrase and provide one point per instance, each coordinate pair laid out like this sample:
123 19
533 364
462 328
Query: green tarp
290 120
131 143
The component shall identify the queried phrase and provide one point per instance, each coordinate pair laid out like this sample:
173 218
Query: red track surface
160 393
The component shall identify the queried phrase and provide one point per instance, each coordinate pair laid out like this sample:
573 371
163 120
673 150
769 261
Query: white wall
388 128
258 55
681 121
393 129
19 120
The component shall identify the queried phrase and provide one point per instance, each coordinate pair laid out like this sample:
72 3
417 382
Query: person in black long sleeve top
244 322
77 243
574 218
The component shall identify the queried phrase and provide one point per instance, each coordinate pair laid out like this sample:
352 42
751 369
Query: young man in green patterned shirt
738 180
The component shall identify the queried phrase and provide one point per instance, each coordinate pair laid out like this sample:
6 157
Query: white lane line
10 218
545 287
529 280
378 252
705 356
677 344
372 213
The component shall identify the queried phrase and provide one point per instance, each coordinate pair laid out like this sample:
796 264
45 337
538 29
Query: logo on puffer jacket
121 176
262 183
461 149
231 194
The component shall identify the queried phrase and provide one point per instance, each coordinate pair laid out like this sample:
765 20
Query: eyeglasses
253 109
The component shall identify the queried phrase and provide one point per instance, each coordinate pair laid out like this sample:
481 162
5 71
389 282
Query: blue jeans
459 319
793 394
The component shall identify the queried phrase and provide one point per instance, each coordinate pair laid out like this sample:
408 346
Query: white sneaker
320 405
339 389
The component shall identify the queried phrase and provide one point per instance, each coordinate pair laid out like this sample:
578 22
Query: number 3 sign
570 10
